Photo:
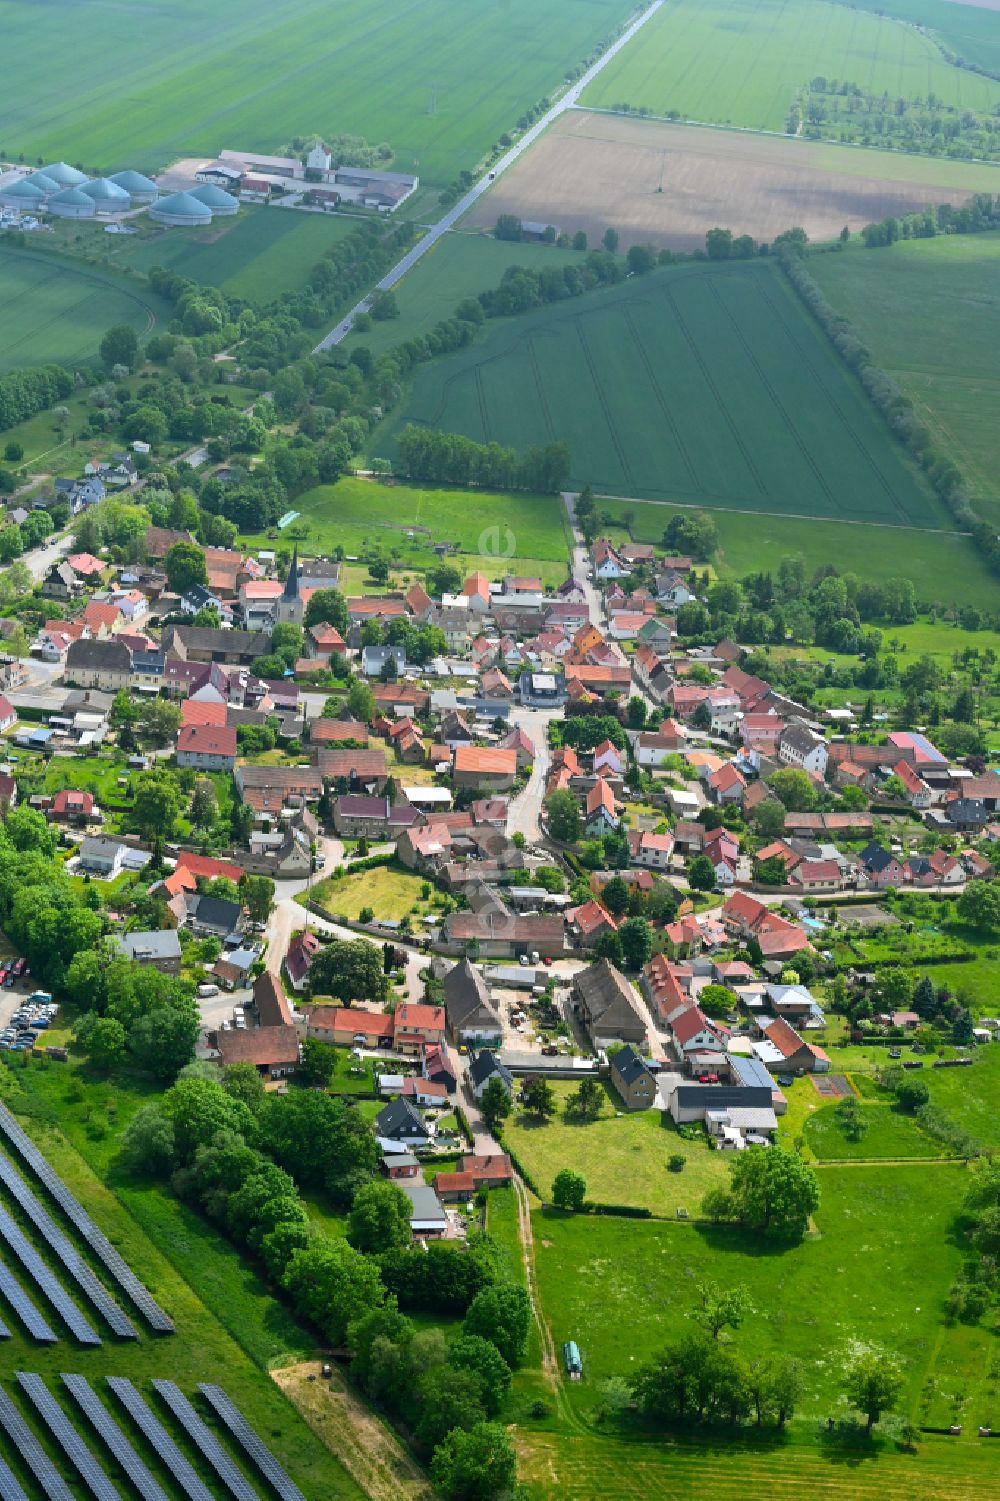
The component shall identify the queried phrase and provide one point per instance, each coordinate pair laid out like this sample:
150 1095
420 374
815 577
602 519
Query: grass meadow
877 1268
257 255
497 534
889 1133
740 62
460 265
929 311
436 79
392 891
701 384
56 311
622 1157
943 566
229 1329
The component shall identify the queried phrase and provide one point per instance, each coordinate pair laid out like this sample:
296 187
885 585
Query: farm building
221 203
181 209
72 203
65 175
108 197
18 192
44 183
141 190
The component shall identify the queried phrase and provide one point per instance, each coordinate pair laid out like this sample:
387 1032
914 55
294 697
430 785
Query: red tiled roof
207 739
194 712
203 865
485 759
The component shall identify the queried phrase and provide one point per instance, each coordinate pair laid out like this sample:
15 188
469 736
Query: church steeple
291 589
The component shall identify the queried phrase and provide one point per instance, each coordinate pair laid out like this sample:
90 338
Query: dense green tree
380 1218
562 812
120 346
569 1189
185 566
873 1381
349 971
332 1285
479 1465
773 1191
501 1315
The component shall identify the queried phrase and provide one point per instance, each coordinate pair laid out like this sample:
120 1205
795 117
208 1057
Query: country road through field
463 205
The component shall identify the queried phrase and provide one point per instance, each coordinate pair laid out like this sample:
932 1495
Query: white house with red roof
207 747
8 714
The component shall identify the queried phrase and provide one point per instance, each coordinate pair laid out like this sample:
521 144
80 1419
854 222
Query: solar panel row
4 1331
160 1440
54 1488
66 1436
205 1441
95 1238
107 1429
24 1308
46 1280
10 1486
254 1446
64 1248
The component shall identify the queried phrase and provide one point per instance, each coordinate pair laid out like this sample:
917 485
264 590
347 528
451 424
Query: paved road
463 205
522 816
40 559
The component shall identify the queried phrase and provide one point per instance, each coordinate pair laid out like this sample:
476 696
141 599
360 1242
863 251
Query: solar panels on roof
67 1438
66 1251
205 1441
157 1436
78 1216
254 1446
106 1428
24 1308
54 1488
47 1281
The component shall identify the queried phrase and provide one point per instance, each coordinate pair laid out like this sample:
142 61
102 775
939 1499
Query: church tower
290 606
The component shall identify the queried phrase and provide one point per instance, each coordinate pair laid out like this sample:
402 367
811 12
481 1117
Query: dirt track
665 185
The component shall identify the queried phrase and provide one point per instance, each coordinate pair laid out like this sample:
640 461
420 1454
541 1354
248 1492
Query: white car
206 990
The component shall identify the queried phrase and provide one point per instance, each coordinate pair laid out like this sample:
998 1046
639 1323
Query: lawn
740 62
929 312
967 1096
229 1329
622 1157
460 265
54 310
878 1269
497 534
435 79
943 566
889 1133
257 255
389 890
701 383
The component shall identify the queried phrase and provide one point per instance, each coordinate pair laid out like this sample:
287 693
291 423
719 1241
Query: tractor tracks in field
549 1354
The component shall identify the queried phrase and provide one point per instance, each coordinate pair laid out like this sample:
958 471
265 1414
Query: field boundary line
707 505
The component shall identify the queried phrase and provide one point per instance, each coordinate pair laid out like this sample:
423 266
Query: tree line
435 457
24 393
243 1158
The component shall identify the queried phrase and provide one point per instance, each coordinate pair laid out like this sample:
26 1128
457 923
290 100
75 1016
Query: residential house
484 1067
470 1014
212 916
383 662
399 1122
8 714
781 1050
350 1026
882 867
632 1078
502 936
485 768
438 1066
976 804
102 856
606 560
601 815
302 950
605 1002
418 1026
672 589
588 923
694 1033
473 1172
73 806
800 746
608 760
270 789
652 851
61 583
272 1051
726 785
160 950
206 747
99 664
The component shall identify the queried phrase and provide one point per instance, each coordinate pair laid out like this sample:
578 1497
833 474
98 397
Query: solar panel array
78 1216
205 1441
105 1426
47 1281
54 1488
10 1486
23 1307
254 1446
159 1439
64 1248
4 1331
66 1436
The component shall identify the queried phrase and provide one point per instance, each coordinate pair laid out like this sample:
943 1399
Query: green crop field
55 311
701 383
740 62
436 79
460 265
228 1329
262 252
942 565
969 31
929 310
497 534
